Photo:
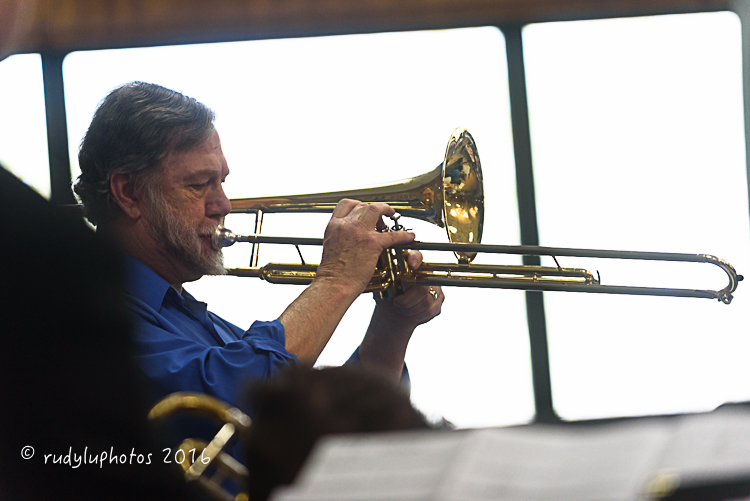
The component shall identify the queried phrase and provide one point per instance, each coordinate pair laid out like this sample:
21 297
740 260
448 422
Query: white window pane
23 128
638 144
336 113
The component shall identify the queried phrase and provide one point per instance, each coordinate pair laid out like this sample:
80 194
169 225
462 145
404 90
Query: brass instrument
197 456
450 196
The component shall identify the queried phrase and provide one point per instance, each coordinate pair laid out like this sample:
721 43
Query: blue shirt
182 346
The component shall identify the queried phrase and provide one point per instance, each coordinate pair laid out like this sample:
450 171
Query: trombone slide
521 277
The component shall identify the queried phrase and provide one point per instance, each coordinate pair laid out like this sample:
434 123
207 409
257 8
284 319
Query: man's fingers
344 207
413 258
412 297
392 238
424 310
419 297
369 214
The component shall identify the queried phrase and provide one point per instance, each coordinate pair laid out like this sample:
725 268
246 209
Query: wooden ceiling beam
66 25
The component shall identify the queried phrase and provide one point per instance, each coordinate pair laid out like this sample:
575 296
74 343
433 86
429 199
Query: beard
183 240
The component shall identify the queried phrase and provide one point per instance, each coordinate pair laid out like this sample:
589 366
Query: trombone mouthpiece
223 238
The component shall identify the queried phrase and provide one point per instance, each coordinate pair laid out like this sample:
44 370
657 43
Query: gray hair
133 130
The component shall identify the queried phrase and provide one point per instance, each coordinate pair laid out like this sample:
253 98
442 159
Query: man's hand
393 322
352 245
418 305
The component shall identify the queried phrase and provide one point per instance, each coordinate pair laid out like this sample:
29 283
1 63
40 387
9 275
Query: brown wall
78 24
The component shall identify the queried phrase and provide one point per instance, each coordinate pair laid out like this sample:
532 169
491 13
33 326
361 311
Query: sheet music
405 466
715 444
611 462
547 463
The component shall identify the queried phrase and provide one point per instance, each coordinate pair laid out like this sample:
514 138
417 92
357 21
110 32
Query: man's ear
122 187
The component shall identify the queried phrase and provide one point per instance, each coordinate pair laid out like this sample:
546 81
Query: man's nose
221 205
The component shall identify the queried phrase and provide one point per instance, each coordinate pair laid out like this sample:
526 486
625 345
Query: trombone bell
451 196
208 466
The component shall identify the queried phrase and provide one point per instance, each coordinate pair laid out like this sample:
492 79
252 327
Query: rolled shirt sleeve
178 364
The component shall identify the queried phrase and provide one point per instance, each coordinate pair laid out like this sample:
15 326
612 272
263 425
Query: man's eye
198 186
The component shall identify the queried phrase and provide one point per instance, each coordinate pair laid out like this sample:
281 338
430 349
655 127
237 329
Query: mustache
208 232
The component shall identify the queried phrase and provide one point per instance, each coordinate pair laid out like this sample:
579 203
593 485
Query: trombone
213 468
450 196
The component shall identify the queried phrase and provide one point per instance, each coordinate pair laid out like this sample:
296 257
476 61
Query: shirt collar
144 284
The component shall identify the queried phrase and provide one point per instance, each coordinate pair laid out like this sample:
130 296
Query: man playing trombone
151 179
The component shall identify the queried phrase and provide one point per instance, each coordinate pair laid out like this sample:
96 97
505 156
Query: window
23 129
638 144
337 113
